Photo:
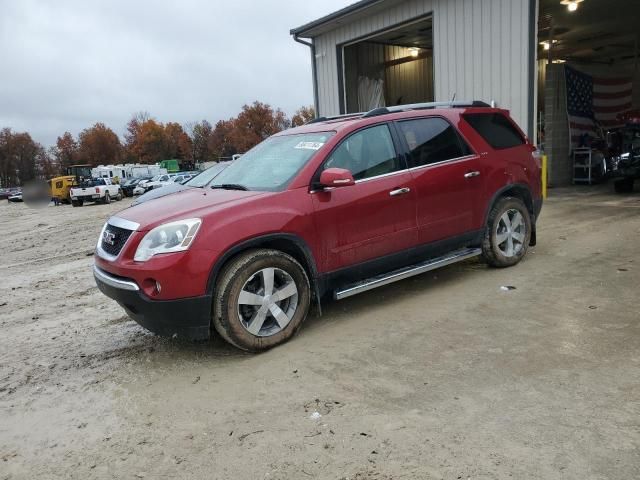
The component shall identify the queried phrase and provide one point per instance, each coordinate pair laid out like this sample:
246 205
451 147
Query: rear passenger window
496 129
432 140
367 153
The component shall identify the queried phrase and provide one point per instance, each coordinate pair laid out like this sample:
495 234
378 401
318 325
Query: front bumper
188 318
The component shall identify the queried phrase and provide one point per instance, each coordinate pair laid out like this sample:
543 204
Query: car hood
190 203
160 192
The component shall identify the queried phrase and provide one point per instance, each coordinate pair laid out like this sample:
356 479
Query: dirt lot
440 376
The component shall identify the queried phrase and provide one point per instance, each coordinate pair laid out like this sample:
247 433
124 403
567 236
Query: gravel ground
440 376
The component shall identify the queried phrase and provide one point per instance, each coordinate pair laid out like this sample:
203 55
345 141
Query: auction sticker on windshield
309 145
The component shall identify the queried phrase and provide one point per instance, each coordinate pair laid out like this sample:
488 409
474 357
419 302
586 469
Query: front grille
113 239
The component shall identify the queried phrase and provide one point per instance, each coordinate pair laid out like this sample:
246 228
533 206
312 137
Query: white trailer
127 171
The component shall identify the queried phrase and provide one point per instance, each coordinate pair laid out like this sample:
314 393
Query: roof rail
423 106
335 117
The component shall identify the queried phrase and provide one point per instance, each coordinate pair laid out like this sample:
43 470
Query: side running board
406 272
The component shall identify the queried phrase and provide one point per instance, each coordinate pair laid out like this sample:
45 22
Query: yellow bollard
543 174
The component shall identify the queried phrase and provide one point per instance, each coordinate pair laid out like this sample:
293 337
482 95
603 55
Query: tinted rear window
432 140
496 129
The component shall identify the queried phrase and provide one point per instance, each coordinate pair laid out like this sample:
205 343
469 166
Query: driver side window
367 153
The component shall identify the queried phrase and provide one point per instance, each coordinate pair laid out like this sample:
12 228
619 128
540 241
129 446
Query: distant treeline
145 141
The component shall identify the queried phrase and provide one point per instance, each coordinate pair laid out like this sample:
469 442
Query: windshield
270 165
205 177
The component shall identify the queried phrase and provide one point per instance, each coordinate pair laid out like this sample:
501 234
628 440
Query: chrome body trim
450 160
122 223
114 282
410 271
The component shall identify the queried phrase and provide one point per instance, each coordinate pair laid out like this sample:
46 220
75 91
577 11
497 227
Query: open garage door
389 68
589 84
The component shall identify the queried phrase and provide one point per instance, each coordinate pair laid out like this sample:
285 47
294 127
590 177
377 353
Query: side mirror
336 177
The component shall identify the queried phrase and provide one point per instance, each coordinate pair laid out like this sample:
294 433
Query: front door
447 178
376 216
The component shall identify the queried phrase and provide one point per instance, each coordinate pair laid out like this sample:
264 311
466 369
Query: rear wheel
507 234
262 298
624 185
107 197
76 203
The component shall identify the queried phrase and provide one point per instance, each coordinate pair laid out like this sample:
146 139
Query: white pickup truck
95 190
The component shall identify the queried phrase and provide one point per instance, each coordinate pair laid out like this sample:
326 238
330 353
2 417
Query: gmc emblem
109 237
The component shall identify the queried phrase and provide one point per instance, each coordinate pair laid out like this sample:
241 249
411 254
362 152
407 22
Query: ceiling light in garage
572 5
546 45
414 52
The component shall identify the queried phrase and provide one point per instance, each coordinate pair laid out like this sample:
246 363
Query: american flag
594 102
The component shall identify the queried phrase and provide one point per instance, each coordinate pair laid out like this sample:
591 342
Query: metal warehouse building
510 52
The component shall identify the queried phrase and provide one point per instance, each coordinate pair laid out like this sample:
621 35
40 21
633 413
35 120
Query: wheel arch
521 191
285 242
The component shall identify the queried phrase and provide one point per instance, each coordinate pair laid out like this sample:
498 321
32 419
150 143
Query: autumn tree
18 154
66 150
303 115
255 123
220 139
99 145
177 143
201 138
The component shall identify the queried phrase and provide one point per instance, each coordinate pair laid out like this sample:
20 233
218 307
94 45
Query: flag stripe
597 95
610 81
611 109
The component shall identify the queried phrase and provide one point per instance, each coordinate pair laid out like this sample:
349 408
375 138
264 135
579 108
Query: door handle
475 173
399 191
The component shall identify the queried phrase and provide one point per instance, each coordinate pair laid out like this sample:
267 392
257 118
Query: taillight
97 190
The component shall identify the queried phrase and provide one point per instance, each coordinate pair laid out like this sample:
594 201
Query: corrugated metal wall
481 51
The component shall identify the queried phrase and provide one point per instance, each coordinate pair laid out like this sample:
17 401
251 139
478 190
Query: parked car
15 196
626 166
5 193
333 208
128 186
155 182
95 190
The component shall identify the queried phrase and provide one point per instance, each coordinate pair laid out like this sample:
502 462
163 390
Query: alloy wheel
267 302
511 233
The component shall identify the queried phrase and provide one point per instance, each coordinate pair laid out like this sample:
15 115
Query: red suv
335 207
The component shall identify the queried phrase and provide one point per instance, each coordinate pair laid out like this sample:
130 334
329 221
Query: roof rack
335 117
424 106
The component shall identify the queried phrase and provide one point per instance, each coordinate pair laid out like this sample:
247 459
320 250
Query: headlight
167 238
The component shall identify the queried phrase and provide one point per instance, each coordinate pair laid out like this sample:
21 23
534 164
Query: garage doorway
588 83
388 68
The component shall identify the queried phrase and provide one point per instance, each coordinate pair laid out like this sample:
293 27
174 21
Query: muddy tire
507 233
624 185
119 196
262 297
107 198
76 203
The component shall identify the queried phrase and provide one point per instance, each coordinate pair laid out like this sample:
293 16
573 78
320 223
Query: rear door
376 216
447 178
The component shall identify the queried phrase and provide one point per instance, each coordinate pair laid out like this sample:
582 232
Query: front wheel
119 196
262 298
507 234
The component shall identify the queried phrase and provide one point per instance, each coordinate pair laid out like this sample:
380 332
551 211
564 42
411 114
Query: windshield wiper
230 186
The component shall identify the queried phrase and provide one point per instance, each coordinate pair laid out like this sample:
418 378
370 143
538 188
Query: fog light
151 287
